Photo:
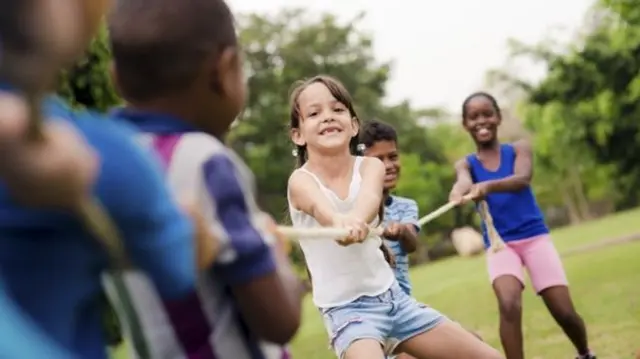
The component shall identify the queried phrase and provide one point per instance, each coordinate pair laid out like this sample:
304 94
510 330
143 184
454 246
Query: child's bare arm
464 181
306 196
522 172
369 197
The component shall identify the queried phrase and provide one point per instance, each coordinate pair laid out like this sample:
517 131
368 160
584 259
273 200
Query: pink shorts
537 254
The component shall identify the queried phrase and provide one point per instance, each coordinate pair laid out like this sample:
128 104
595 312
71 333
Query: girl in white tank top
366 314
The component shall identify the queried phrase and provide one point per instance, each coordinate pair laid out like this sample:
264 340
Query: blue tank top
516 215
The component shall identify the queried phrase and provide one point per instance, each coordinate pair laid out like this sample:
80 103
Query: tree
583 113
600 84
88 82
293 45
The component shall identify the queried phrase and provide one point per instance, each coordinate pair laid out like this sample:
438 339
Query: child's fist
207 246
282 244
57 171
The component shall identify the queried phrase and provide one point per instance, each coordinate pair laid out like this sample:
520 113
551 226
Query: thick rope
496 242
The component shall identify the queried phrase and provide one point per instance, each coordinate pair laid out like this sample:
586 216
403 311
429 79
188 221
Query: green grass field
605 284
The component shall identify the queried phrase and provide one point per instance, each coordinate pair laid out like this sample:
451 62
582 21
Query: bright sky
441 49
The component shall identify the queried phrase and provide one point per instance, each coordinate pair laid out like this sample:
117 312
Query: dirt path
602 244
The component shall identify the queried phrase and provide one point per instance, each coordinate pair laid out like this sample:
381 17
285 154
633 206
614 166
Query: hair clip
361 147
294 152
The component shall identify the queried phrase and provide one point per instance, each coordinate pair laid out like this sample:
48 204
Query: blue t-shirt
21 338
516 215
52 266
401 210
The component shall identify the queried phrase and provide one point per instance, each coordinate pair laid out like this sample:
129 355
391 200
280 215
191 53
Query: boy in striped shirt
400 214
178 66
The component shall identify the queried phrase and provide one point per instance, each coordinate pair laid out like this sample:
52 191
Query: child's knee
510 307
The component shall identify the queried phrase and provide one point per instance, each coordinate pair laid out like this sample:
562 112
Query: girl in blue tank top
501 174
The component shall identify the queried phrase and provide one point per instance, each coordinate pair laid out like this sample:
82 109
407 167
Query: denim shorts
390 318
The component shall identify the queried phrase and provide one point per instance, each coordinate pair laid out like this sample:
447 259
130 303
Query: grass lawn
605 285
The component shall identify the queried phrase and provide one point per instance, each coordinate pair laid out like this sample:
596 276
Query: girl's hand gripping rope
358 229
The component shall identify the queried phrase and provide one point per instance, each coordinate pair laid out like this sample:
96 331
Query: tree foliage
582 117
584 112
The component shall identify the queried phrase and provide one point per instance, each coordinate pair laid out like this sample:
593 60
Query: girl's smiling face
481 120
325 123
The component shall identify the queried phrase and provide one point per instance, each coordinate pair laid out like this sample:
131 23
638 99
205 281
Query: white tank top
340 274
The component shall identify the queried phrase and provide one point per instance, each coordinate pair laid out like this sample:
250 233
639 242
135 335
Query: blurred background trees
583 117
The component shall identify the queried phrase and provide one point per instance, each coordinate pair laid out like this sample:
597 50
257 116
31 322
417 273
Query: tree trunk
580 195
574 215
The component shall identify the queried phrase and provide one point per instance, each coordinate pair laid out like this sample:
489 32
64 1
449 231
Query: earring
361 147
294 152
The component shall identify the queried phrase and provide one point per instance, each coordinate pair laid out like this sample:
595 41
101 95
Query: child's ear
355 125
227 70
227 77
296 137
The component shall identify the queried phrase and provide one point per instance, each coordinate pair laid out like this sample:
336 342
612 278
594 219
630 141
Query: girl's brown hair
338 91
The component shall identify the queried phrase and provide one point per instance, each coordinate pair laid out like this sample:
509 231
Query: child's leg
423 333
550 282
358 330
448 340
363 349
505 273
403 356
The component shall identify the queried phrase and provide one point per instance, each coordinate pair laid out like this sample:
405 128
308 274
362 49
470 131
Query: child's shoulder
202 144
521 145
202 148
370 164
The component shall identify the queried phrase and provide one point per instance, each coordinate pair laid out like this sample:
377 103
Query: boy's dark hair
338 91
486 95
375 131
159 45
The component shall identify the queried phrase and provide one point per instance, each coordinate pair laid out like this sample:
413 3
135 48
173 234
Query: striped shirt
401 210
207 325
